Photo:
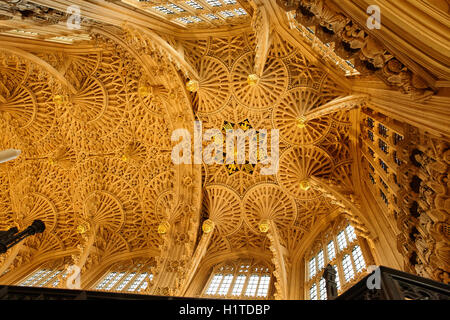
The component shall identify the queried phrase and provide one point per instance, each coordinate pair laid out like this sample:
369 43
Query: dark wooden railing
388 284
35 293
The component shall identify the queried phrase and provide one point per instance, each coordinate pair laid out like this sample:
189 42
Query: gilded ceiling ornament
192 85
208 226
163 227
252 79
264 226
305 185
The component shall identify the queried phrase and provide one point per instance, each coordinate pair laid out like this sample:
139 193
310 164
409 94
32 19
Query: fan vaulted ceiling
93 113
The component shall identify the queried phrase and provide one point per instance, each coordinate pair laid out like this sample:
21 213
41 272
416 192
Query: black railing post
330 282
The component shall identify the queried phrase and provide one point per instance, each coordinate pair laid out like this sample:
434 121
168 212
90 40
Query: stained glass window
382 130
338 282
320 259
194 4
225 285
126 277
238 285
383 146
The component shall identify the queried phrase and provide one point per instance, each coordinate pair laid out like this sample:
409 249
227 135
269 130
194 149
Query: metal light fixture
9 154
11 237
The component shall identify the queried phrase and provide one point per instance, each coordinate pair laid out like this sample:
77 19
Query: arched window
129 277
239 280
47 275
340 247
43 277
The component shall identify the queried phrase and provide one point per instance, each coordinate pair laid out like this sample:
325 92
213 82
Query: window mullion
340 270
51 277
347 237
219 285
137 271
244 288
317 282
257 284
355 270
316 261
364 252
120 281
233 281
325 253
42 278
